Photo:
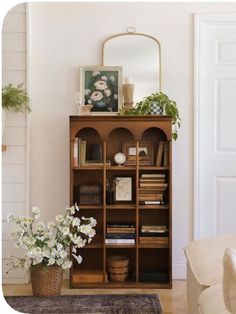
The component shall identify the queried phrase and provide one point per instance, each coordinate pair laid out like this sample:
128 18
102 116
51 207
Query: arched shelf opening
116 140
155 135
94 147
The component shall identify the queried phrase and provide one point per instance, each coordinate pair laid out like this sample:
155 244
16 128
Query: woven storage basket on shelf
46 280
118 267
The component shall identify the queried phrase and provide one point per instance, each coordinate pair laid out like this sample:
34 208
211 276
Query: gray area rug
110 304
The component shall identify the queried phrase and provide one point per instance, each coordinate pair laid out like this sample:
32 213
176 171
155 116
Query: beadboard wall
14 160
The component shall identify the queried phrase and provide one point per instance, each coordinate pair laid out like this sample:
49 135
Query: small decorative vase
156 108
85 110
46 280
100 106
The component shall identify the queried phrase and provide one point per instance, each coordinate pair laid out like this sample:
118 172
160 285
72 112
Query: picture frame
123 189
101 87
146 155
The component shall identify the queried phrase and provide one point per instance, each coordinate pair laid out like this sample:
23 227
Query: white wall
65 36
14 160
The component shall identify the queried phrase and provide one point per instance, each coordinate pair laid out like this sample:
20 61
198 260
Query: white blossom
112 78
49 244
104 78
10 217
95 73
78 258
101 85
87 91
36 212
96 96
107 92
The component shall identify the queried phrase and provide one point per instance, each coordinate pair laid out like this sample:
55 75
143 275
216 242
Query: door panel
215 128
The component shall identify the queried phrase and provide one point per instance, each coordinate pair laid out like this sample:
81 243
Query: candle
128 80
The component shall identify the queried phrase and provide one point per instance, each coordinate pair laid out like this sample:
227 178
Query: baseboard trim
179 271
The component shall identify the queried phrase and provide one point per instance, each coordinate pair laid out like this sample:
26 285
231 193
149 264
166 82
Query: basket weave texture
118 267
46 280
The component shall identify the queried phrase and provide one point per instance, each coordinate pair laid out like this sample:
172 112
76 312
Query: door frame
201 20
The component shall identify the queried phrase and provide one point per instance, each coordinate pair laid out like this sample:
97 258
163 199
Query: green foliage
169 108
15 98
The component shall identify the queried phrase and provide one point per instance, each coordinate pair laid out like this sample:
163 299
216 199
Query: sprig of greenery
15 98
169 108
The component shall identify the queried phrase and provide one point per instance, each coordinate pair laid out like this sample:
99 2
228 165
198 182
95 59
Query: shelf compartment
88 276
131 255
153 261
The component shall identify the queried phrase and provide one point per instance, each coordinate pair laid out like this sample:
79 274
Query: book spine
152 175
114 225
82 152
79 143
166 154
160 153
75 153
119 241
120 236
120 230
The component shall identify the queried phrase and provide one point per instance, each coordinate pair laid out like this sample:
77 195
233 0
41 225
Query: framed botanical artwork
145 152
101 87
123 189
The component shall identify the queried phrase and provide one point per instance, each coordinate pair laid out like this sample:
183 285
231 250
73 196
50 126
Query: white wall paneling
215 109
14 160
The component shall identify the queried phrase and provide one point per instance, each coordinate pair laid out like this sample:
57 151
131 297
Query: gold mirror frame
131 31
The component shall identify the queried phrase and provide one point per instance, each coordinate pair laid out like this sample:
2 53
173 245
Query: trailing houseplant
46 247
15 98
169 107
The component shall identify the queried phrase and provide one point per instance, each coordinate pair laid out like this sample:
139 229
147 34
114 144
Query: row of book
162 156
120 233
151 188
124 233
155 234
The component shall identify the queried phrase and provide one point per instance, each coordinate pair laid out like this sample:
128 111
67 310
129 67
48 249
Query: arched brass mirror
140 57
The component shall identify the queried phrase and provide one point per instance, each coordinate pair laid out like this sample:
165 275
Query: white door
215 125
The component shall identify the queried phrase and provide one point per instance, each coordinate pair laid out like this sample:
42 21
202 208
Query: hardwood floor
173 301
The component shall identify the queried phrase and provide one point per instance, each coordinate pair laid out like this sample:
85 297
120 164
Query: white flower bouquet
48 245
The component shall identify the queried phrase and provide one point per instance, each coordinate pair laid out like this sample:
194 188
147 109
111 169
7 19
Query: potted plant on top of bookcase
157 103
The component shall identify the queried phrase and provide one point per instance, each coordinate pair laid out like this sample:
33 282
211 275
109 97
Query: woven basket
46 280
118 267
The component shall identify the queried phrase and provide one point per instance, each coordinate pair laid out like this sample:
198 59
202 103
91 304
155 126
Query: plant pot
156 108
46 280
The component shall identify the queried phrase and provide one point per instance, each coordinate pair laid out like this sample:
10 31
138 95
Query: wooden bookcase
111 132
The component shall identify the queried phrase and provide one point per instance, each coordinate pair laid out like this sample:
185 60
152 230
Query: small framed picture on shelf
101 87
123 189
145 152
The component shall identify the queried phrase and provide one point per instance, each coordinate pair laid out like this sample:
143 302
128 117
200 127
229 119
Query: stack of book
151 188
120 233
157 234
